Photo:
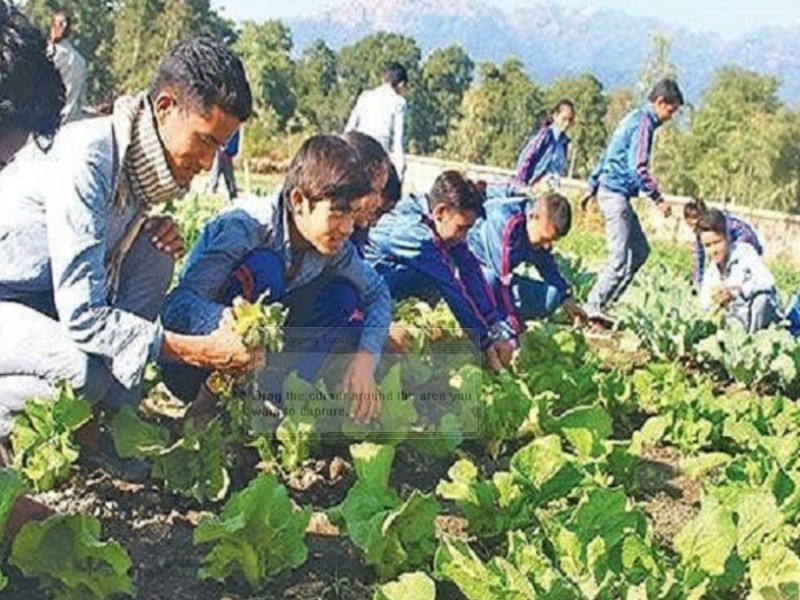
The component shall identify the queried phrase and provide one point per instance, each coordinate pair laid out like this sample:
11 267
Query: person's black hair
668 90
373 157
395 74
694 208
32 94
559 212
393 189
205 73
327 168
549 119
712 220
454 190
371 154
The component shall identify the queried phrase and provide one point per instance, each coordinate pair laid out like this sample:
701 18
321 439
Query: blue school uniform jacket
544 153
500 242
624 167
406 250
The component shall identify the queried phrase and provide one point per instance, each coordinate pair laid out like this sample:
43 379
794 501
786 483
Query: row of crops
552 467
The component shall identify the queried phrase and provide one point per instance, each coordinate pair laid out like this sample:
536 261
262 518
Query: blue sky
726 17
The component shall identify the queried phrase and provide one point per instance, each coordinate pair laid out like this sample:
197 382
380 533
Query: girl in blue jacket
545 153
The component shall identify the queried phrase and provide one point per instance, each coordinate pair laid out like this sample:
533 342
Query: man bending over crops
420 250
738 230
621 173
737 280
284 246
83 268
519 230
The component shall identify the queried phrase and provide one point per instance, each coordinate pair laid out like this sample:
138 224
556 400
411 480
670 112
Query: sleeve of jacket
221 247
742 230
416 247
750 273
398 138
471 274
641 148
545 263
562 165
352 121
77 212
594 176
530 157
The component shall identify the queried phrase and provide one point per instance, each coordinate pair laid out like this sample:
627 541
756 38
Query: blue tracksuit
500 242
545 153
624 168
406 250
621 173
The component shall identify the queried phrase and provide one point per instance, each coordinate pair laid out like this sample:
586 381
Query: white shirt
381 114
72 68
745 270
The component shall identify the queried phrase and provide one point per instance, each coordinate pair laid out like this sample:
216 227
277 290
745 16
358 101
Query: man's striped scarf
144 174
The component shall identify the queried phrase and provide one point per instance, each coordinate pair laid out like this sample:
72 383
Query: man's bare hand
499 355
165 235
400 339
226 352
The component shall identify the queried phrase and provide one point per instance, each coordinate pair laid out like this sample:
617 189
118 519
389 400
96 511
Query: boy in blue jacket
545 153
519 230
420 250
287 245
621 174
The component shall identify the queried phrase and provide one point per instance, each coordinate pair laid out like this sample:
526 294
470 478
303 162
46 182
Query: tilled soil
156 529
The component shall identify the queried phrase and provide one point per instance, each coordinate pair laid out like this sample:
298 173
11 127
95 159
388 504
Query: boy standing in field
622 172
381 114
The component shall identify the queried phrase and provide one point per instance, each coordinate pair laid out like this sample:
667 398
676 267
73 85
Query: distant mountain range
554 40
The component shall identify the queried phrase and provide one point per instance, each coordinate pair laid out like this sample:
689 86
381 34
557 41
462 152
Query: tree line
739 142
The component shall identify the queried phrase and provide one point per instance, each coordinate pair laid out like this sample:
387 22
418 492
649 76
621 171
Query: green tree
588 133
92 35
496 115
446 77
145 30
361 65
265 49
742 145
620 102
318 89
